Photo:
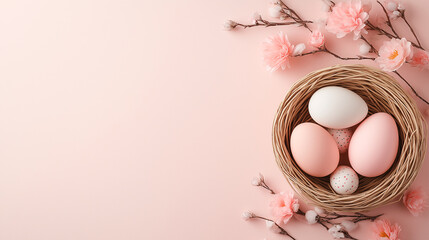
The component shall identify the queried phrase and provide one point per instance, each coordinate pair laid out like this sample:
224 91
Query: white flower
275 11
311 216
295 207
392 6
269 224
256 181
364 48
298 49
395 15
319 211
247 215
229 25
401 6
257 17
336 231
349 225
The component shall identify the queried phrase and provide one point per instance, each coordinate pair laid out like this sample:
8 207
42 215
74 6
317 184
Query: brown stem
294 15
324 49
412 30
265 23
264 185
389 23
347 235
282 230
409 85
372 47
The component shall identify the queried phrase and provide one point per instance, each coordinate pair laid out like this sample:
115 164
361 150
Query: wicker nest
382 94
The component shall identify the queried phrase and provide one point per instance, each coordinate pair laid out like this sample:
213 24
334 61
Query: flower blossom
283 207
275 11
348 225
346 17
229 25
415 201
364 48
337 231
247 215
299 49
311 216
420 59
393 54
384 230
277 51
317 39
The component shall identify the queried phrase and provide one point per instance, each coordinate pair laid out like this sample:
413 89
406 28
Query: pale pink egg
344 180
342 137
374 145
314 149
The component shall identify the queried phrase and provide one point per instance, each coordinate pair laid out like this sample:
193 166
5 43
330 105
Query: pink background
145 120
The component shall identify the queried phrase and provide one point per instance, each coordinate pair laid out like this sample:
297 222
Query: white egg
337 107
344 180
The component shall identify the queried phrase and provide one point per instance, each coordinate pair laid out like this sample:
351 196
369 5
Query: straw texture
382 94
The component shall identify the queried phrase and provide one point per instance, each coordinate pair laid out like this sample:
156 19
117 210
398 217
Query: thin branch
265 23
294 15
409 85
389 23
412 30
282 230
372 46
324 49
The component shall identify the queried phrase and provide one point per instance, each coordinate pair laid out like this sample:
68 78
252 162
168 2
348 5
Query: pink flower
346 17
415 201
393 54
283 207
317 39
420 59
277 50
384 230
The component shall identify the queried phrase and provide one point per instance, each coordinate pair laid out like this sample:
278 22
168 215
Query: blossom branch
293 14
260 182
326 50
409 85
419 45
389 23
373 49
250 215
265 23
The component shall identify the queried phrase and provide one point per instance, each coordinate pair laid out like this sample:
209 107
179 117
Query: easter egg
344 180
314 149
337 107
342 138
374 145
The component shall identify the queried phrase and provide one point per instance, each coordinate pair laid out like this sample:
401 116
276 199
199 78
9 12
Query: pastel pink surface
314 149
374 145
145 120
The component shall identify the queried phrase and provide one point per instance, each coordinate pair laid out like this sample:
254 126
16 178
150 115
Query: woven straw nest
382 94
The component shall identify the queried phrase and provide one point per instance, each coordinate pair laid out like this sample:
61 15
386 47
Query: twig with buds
250 215
388 22
418 45
260 182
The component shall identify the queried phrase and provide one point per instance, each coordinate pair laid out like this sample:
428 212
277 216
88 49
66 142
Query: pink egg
374 145
342 137
344 180
314 149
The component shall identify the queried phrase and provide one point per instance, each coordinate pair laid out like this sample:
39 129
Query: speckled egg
344 180
342 137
